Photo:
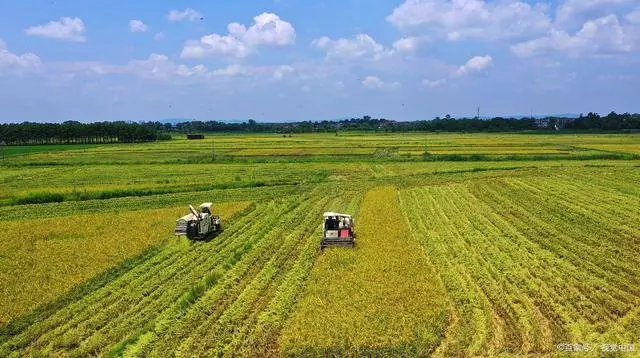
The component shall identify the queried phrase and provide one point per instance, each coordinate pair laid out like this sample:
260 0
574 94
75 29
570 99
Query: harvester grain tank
198 225
338 230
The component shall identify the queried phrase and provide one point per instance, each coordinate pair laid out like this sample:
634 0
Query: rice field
501 245
55 254
353 147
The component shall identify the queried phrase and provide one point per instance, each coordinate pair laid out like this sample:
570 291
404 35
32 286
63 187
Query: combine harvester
198 225
338 230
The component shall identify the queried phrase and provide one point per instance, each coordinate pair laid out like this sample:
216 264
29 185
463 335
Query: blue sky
285 60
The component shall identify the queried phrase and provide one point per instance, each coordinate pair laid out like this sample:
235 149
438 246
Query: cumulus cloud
603 36
137 26
634 16
578 11
267 30
184 15
458 19
11 63
232 71
361 46
373 82
160 67
475 66
407 44
67 29
215 44
157 66
434 83
281 71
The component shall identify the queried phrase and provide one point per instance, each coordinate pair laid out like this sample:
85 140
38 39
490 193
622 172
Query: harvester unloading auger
338 230
198 225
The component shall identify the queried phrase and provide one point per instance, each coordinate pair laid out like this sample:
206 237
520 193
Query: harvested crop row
137 286
219 334
56 254
178 325
262 339
94 327
604 288
581 236
521 277
381 297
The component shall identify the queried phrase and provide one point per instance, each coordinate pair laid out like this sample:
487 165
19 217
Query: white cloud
186 71
11 63
282 71
268 30
457 19
407 44
373 82
159 36
157 66
603 36
578 11
361 46
215 44
68 29
160 67
476 65
137 26
434 83
634 16
186 14
232 71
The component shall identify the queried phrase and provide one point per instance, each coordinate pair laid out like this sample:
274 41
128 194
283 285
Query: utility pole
478 116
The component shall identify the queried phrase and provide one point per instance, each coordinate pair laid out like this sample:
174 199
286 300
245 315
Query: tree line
72 132
591 121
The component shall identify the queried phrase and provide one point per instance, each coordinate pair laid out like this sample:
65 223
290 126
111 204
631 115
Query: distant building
541 122
557 123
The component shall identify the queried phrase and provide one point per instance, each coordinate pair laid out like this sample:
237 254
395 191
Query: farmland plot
230 294
382 297
52 255
532 262
468 245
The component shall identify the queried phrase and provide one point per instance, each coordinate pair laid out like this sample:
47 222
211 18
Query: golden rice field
468 245
55 254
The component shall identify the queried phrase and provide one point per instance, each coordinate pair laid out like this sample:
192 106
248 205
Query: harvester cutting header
198 225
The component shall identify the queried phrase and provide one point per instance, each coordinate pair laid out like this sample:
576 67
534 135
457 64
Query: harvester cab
198 225
338 230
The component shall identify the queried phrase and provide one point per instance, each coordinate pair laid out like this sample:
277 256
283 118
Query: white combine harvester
198 225
338 230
